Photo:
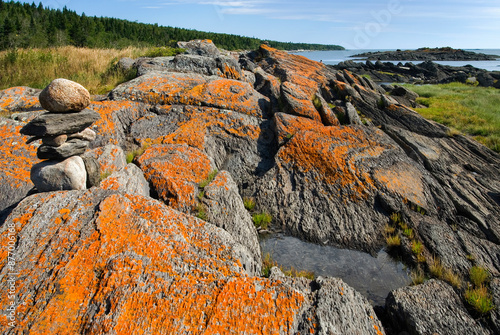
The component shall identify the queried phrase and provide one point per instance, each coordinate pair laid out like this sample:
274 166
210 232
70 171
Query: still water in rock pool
374 277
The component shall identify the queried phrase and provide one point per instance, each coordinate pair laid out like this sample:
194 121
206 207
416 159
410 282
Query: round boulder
69 174
63 95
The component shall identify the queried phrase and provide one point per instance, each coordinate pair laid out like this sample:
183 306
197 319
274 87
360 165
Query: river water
374 277
337 56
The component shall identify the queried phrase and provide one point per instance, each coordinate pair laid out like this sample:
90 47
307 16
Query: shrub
393 241
262 220
479 299
249 203
417 276
267 264
479 276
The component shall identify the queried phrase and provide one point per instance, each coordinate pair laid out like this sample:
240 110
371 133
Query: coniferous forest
24 25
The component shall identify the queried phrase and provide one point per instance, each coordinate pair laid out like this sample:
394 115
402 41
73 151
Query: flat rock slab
54 124
73 147
69 174
129 180
430 308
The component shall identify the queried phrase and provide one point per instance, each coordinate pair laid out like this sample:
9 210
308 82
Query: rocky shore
427 72
165 245
427 54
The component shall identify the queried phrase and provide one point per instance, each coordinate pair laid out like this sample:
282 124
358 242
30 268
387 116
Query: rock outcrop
327 153
427 54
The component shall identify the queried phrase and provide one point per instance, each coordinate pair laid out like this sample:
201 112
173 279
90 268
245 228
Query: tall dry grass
93 68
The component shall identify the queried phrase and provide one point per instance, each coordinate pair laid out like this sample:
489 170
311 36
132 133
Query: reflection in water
374 277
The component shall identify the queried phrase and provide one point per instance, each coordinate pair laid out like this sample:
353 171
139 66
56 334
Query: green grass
268 263
393 241
262 220
479 275
209 179
249 203
472 110
95 69
480 299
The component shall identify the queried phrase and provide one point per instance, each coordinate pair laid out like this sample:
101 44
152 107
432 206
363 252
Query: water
374 277
336 56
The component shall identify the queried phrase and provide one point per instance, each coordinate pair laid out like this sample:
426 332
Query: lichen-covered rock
110 158
174 171
109 263
193 89
200 47
226 210
16 160
129 180
50 176
19 99
53 124
430 308
63 95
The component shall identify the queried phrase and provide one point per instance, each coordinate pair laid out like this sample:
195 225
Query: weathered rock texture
102 262
69 174
63 95
327 153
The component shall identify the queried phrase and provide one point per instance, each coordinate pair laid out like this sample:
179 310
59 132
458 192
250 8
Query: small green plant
201 212
480 299
267 264
389 230
436 268
393 241
131 155
209 179
471 258
408 232
417 276
452 278
262 220
293 272
249 203
479 276
201 195
417 249
396 219
104 175
317 102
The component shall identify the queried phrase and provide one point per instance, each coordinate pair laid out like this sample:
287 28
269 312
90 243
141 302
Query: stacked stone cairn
65 134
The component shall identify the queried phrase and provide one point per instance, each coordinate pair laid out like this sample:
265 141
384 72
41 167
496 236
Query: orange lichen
201 121
175 172
106 126
140 268
17 156
331 154
404 180
15 99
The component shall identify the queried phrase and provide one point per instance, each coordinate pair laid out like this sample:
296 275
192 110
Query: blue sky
354 24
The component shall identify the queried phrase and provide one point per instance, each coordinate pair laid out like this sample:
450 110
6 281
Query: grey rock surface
53 124
70 148
69 174
63 95
200 47
129 180
429 308
226 210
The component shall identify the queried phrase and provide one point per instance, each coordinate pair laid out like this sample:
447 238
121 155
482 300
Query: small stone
63 95
73 147
87 135
55 141
50 176
93 170
53 124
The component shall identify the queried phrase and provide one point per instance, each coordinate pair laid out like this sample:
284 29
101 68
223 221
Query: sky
354 24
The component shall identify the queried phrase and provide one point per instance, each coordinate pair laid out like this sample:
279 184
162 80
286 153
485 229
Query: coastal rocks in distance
63 95
69 174
423 54
430 308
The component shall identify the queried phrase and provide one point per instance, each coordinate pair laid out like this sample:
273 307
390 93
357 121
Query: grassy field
93 68
471 110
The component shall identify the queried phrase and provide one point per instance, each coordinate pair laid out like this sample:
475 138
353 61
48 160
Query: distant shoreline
426 54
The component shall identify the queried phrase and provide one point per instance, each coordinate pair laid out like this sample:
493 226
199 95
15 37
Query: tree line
24 25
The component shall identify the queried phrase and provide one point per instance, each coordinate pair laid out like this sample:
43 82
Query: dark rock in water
436 54
63 95
73 147
69 174
53 124
432 307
